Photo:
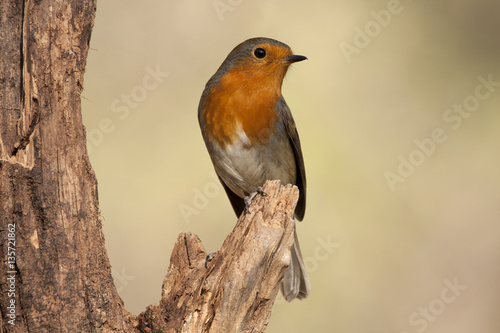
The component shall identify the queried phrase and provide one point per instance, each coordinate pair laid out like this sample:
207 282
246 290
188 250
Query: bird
251 136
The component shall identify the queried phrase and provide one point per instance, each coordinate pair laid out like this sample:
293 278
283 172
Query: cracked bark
48 190
26 138
236 292
48 193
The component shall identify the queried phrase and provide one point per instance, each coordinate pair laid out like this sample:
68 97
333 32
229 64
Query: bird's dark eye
259 53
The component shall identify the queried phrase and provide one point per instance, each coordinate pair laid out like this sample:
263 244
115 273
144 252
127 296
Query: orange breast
242 98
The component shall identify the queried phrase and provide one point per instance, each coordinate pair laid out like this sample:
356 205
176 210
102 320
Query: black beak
295 58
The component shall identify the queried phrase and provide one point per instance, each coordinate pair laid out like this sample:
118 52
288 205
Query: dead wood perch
236 292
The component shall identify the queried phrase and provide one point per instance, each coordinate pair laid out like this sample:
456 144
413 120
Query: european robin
251 136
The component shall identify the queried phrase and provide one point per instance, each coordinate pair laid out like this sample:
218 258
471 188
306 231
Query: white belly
244 167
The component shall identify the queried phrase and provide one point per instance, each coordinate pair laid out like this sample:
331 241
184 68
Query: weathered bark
48 190
55 274
237 289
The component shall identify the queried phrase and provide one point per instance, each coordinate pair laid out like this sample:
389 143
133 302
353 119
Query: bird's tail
295 281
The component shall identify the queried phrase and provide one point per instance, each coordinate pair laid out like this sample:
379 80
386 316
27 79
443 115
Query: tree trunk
48 191
55 273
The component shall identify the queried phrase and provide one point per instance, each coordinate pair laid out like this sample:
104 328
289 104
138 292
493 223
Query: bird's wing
291 129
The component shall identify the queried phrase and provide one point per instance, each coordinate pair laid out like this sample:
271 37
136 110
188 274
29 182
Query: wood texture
47 186
237 289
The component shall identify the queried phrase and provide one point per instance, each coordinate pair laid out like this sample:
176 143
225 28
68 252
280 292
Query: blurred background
398 114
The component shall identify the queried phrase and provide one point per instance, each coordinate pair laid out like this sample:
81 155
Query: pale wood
236 291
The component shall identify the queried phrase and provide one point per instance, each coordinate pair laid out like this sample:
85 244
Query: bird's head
259 62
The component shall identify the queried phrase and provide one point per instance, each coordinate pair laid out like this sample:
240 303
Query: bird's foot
209 258
248 199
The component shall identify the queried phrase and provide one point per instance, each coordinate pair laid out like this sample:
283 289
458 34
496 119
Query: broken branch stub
235 292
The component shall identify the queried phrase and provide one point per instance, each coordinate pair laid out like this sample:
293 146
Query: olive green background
420 255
